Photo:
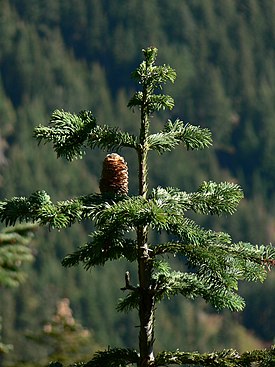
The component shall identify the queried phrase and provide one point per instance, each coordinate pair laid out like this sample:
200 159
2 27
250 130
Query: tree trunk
146 303
145 261
145 267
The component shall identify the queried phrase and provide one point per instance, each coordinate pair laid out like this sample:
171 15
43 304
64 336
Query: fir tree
64 337
122 223
14 253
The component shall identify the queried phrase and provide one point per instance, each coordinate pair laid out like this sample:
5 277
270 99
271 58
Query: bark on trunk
147 303
145 267
145 262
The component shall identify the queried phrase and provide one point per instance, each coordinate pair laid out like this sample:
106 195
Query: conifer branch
191 286
101 249
113 358
151 75
225 358
193 137
252 258
106 137
39 208
71 134
155 102
211 198
215 257
23 209
130 302
68 132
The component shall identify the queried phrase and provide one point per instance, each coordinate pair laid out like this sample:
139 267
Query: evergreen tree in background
124 224
14 253
64 337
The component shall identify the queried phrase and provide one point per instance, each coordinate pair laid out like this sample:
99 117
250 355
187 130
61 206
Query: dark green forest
79 54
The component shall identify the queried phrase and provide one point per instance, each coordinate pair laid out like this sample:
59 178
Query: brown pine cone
114 177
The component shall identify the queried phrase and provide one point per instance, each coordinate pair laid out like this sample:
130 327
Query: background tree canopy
77 55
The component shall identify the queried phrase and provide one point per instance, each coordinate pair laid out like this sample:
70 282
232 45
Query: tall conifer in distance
122 223
14 253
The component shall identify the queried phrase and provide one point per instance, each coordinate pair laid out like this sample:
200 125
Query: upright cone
114 177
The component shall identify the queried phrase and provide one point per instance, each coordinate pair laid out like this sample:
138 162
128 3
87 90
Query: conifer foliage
122 223
14 253
64 337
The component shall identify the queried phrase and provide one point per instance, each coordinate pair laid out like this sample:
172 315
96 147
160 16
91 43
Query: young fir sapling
215 263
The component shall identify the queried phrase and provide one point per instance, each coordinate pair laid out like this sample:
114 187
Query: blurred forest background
78 54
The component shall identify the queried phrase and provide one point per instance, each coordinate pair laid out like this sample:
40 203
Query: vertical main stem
146 303
145 266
